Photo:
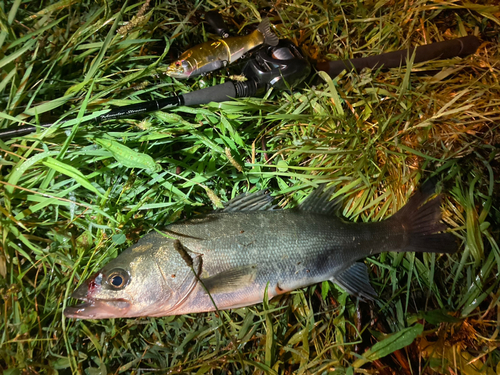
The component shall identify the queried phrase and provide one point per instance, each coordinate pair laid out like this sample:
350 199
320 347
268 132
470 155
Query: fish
209 56
250 251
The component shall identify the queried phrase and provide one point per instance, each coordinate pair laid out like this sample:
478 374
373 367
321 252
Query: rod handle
459 47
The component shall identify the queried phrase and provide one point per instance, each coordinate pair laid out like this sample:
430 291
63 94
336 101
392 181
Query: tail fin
422 223
270 38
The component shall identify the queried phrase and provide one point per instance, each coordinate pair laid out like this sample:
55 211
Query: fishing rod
284 63
459 47
265 67
282 67
219 93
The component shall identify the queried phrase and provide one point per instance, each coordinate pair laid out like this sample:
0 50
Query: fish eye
118 278
178 63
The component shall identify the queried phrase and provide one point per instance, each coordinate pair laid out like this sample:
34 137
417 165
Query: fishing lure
210 56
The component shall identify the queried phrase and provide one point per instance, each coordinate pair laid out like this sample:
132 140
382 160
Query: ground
78 193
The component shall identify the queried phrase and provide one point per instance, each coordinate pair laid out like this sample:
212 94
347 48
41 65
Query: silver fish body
231 257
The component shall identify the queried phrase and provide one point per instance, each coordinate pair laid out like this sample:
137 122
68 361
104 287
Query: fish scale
292 233
298 240
230 257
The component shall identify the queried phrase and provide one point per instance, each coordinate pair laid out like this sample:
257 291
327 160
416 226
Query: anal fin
355 281
230 280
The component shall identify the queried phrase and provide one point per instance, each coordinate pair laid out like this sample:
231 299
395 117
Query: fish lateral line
167 232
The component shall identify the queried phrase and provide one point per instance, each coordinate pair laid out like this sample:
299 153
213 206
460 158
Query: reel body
281 67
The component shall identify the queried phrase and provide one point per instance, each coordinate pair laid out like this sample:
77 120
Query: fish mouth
98 309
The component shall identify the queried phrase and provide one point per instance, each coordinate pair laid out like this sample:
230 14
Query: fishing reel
281 67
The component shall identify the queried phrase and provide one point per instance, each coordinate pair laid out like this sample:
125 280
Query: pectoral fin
230 280
355 281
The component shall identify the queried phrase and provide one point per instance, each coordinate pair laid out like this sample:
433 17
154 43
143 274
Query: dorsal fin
319 202
258 201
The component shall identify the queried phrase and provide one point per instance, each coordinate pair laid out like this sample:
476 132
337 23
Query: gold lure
210 56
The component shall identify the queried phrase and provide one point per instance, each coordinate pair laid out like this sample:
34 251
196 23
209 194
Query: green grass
72 198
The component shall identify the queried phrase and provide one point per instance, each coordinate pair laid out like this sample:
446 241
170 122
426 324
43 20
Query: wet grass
73 197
